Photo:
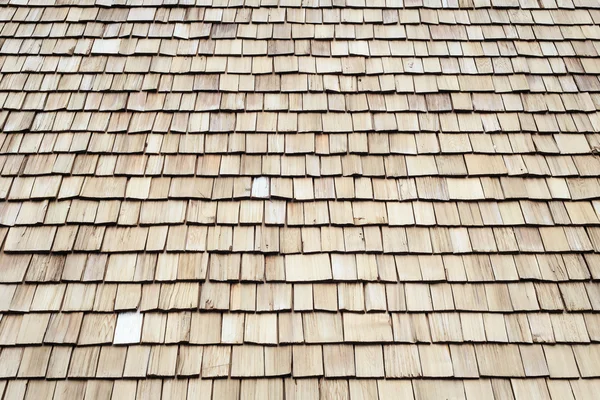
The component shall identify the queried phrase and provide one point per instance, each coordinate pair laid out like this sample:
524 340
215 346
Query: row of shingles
331 123
262 48
293 159
376 15
143 268
319 214
403 90
425 98
309 188
234 389
300 157
124 268
302 361
525 4
229 389
577 50
503 171
223 122
302 177
581 102
302 188
104 326
574 296
256 40
448 58
346 146
240 239
350 58
364 44
173 294
49 151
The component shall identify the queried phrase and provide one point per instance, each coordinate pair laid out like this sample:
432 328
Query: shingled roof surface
294 199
